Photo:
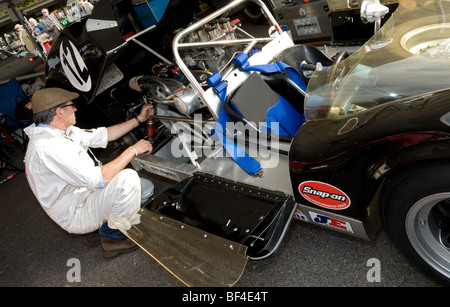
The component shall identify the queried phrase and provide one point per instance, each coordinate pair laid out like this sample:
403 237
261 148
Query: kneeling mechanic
75 192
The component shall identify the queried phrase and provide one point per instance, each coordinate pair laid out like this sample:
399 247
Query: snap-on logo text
324 195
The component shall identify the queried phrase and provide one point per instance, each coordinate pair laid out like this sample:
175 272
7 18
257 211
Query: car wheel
416 212
252 13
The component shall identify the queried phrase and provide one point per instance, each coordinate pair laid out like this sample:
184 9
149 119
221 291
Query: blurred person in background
39 32
24 38
49 24
86 7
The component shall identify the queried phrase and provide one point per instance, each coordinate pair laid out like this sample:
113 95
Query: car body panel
13 65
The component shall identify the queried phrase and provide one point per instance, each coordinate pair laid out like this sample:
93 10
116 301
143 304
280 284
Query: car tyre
416 213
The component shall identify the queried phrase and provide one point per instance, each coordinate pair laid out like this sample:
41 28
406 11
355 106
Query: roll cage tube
177 45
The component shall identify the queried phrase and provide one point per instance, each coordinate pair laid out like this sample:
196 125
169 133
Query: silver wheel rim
425 236
423 38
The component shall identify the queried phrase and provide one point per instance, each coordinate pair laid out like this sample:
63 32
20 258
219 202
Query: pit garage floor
35 252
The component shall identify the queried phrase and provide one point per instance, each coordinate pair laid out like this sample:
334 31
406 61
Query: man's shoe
113 247
92 239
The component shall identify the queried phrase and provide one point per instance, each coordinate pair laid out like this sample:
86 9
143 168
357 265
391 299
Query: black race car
249 146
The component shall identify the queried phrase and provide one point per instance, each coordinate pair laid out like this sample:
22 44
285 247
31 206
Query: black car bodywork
18 65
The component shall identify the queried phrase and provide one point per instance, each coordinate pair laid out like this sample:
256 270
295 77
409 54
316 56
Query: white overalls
68 184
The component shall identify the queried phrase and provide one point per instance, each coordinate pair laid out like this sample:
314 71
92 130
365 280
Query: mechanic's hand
143 146
146 111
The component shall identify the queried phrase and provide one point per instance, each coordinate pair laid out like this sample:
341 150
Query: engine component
167 92
186 101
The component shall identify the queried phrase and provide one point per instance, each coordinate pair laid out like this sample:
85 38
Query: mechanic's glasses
73 104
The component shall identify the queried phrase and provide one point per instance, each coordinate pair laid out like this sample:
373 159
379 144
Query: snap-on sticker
324 195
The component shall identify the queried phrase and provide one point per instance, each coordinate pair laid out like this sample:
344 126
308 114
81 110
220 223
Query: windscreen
408 56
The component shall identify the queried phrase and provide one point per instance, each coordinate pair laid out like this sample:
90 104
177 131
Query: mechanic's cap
48 98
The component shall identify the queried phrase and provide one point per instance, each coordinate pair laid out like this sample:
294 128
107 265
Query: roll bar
177 45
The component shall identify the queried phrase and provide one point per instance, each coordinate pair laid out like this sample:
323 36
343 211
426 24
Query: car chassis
358 161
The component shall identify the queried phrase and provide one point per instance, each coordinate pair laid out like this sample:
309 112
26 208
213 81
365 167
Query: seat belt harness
241 61
247 163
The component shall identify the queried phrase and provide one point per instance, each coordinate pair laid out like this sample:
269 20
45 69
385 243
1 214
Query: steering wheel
339 57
